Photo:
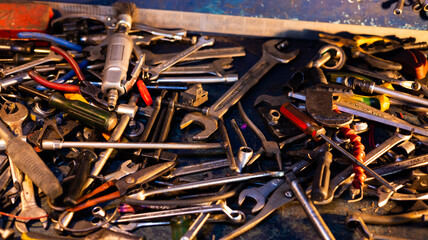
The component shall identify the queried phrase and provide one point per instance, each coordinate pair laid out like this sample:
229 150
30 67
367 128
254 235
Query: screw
289 194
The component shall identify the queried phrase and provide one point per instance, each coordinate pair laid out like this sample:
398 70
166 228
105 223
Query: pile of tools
97 115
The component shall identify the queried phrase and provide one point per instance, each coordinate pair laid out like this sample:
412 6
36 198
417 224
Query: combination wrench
153 58
215 68
202 42
123 171
52 56
234 215
271 56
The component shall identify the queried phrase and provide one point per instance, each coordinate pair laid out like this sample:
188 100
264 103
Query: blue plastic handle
50 38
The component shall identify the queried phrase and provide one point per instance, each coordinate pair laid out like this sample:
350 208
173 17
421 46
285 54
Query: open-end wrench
202 42
52 56
123 171
228 52
141 195
260 194
271 56
234 215
29 207
215 68
14 120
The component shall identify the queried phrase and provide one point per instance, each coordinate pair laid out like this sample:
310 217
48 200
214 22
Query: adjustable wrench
52 56
271 56
202 42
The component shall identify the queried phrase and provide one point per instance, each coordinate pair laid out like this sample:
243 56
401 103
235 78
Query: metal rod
207 183
203 79
355 161
57 144
311 211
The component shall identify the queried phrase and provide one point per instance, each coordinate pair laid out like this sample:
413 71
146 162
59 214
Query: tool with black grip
81 111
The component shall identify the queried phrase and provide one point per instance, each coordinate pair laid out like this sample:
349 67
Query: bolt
289 194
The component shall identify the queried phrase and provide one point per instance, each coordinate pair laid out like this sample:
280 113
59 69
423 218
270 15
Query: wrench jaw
271 48
21 225
209 124
260 199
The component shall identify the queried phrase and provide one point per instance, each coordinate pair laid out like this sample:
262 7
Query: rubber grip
85 113
84 160
28 161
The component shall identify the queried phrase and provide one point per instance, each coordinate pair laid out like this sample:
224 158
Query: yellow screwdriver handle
380 102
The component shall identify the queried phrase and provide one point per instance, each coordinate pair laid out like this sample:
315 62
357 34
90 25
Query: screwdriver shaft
355 161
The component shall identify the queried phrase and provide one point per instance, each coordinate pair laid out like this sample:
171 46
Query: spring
359 154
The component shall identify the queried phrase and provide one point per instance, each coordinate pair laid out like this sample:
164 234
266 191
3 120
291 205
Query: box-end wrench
271 56
52 56
202 42
228 52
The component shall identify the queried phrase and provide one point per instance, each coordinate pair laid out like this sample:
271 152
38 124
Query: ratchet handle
26 159
84 160
322 177
85 113
302 121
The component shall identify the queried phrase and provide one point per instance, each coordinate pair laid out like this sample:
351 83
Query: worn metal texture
356 12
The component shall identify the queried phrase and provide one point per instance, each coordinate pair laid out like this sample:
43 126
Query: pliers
123 185
358 52
86 89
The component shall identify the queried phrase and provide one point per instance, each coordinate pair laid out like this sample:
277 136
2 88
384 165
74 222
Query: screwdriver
83 112
380 102
308 126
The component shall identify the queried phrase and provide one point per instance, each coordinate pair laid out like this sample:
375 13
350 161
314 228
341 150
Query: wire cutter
123 185
87 89
358 52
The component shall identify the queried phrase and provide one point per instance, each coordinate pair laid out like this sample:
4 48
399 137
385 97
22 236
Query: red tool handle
144 92
302 121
